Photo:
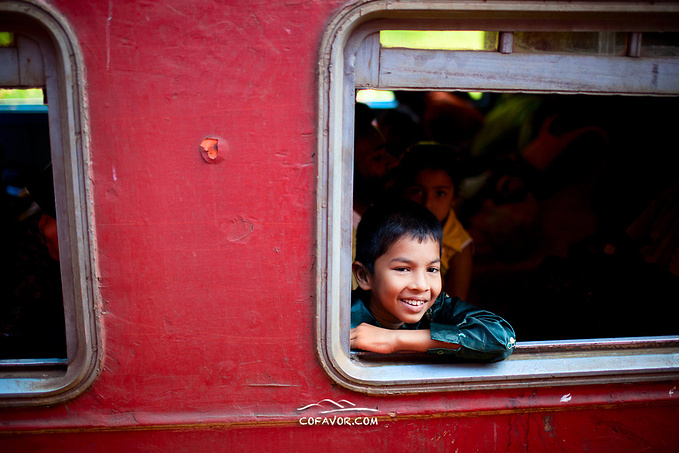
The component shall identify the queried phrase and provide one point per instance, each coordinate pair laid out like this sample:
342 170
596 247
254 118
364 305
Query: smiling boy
399 305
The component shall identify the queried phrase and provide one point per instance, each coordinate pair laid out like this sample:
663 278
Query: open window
587 60
44 143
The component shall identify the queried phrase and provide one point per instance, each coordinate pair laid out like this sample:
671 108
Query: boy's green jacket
482 335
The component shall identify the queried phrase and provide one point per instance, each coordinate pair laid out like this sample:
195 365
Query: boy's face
406 282
434 190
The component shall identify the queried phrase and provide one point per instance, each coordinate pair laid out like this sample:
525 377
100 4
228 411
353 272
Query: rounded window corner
34 389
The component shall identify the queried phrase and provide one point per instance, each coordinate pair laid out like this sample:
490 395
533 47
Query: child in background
429 175
399 305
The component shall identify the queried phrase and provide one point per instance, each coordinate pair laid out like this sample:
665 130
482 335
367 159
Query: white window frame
56 64
351 58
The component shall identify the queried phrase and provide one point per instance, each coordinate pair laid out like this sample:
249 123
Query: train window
49 347
580 73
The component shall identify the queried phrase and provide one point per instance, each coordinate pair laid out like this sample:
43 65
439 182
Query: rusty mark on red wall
548 424
209 150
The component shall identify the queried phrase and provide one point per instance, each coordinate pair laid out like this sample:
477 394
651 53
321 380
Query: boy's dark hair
432 156
384 224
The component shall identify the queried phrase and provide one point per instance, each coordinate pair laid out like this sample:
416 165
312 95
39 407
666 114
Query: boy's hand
374 339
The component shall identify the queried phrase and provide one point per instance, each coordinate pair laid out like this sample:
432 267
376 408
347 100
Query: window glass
6 39
595 43
440 40
660 45
377 98
10 99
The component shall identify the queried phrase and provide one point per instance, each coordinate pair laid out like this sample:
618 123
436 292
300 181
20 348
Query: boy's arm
482 335
386 341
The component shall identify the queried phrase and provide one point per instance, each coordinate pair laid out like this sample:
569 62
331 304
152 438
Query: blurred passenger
400 131
372 162
656 232
451 120
532 168
402 126
42 192
372 167
429 175
507 128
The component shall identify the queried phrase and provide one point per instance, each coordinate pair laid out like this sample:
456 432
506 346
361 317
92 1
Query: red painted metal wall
206 270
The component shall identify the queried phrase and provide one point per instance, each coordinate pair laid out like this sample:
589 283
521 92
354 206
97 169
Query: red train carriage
202 159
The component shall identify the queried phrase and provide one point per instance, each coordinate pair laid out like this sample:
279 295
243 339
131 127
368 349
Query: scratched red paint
209 339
